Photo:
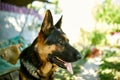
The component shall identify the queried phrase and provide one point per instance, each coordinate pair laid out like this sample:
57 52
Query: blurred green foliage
96 37
110 67
41 7
108 12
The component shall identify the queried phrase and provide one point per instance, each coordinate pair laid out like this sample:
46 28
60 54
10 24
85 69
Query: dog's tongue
69 67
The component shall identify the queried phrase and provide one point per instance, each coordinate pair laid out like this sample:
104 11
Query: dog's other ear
58 24
47 24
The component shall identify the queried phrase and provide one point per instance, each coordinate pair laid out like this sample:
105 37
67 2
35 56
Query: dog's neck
46 71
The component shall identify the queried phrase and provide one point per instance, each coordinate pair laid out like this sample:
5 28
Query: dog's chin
61 63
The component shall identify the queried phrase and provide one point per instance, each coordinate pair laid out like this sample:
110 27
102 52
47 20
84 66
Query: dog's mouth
63 64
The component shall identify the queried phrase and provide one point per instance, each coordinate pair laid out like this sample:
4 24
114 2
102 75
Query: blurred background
93 27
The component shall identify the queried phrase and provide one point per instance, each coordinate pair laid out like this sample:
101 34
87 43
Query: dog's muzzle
62 63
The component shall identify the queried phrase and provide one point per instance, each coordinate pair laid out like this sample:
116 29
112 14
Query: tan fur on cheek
47 66
45 50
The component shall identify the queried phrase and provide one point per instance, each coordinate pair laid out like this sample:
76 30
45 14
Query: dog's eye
61 42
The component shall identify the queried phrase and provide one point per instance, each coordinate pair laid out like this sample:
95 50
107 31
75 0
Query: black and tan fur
47 52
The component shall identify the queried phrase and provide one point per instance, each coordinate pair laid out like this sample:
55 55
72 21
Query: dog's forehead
58 32
61 34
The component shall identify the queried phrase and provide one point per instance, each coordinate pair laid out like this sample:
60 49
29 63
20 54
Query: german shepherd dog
48 51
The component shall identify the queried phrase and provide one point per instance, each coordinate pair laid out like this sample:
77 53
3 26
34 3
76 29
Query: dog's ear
47 24
58 24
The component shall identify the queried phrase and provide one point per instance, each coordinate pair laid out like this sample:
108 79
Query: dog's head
54 45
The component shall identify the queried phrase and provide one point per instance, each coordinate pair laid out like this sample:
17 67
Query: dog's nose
78 56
